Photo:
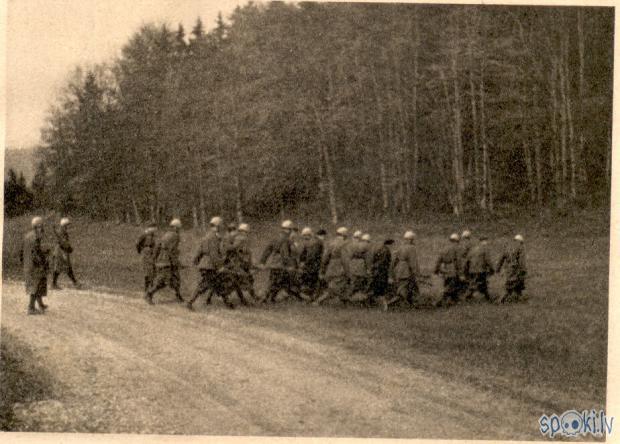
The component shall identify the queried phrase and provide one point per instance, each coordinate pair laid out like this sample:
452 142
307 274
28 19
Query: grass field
551 350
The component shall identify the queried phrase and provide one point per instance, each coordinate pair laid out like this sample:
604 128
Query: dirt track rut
124 367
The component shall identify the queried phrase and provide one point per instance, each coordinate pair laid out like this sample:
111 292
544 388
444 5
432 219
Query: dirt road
123 366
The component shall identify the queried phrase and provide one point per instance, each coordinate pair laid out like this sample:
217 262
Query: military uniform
406 269
209 259
516 271
62 257
335 267
381 259
448 265
146 247
465 280
167 266
478 267
240 267
357 255
310 265
279 258
35 262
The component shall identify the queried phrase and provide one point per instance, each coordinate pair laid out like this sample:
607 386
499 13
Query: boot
42 306
148 298
55 285
189 305
179 298
31 308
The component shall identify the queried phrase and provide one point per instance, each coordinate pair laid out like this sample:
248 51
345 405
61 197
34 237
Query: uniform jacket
357 255
311 255
464 248
478 260
62 251
34 259
241 258
278 253
212 251
335 262
514 258
146 247
448 262
380 270
405 264
167 250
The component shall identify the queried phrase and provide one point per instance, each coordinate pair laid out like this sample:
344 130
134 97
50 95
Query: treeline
345 108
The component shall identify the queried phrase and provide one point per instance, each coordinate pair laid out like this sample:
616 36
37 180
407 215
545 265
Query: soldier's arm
140 244
500 263
438 264
266 253
325 259
522 265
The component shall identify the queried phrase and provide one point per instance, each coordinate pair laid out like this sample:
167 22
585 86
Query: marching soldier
381 259
146 248
448 266
357 255
167 265
478 267
406 269
34 258
464 247
516 271
310 262
227 241
209 259
335 267
279 258
241 266
62 255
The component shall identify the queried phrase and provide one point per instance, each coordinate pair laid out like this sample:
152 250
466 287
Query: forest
343 108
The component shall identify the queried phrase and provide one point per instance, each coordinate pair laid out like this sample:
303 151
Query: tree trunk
582 126
136 213
485 201
239 199
195 217
384 188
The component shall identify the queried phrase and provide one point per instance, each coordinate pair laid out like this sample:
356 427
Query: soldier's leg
413 292
72 275
329 293
402 289
483 287
273 286
55 276
175 283
204 284
31 305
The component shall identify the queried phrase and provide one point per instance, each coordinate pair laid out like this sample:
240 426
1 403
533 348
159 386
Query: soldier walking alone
146 248
34 258
167 265
62 255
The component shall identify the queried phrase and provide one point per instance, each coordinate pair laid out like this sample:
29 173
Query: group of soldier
312 269
35 259
303 264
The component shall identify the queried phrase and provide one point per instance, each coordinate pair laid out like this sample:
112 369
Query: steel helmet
519 238
37 221
64 221
409 235
366 237
216 221
357 235
466 234
176 223
342 231
244 228
454 237
307 231
287 224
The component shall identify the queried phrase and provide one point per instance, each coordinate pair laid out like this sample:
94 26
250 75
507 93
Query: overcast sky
47 38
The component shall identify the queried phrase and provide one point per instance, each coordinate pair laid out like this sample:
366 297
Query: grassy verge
20 379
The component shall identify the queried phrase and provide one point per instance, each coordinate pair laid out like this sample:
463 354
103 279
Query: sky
46 39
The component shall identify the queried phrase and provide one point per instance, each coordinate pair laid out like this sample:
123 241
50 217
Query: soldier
380 273
241 265
227 241
146 247
62 255
448 265
514 258
335 268
280 260
478 268
310 262
464 247
357 255
34 258
167 263
406 269
209 259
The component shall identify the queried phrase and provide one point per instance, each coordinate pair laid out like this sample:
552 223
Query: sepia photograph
307 219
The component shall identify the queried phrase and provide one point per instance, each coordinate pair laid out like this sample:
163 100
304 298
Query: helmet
37 221
150 229
454 237
366 237
342 231
409 235
216 221
64 221
466 234
287 224
176 223
307 231
519 238
244 228
357 234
